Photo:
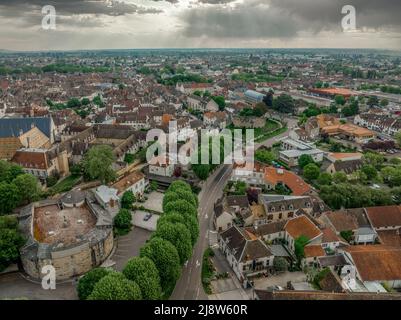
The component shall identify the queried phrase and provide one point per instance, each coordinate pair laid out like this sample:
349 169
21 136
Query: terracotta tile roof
128 181
302 226
343 156
275 176
387 216
329 236
33 160
376 262
312 251
390 237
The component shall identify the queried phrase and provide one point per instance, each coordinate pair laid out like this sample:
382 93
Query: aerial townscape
95 206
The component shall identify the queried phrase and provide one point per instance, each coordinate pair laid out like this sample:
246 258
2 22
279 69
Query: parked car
147 217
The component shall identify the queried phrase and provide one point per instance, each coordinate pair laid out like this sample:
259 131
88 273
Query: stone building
73 234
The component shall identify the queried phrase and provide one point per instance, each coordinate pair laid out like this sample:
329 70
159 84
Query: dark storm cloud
257 19
70 7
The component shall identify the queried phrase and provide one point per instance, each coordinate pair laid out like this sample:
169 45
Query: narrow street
189 286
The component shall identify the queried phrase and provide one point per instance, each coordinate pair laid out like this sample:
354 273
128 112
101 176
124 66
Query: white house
247 256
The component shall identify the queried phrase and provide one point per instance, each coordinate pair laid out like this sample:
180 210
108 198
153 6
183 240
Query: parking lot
154 202
128 246
145 220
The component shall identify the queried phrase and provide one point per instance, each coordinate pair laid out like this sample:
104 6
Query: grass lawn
65 184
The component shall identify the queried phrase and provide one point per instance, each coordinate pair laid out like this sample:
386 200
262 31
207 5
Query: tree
373 101
304 160
264 156
339 100
311 172
180 194
73 103
324 179
127 200
10 241
268 99
144 272
260 109
153 185
339 177
89 280
9 171
28 187
115 287
179 236
284 104
122 221
221 102
370 171
97 163
373 159
129 158
299 245
9 197
182 207
189 221
280 264
398 138
167 261
384 102
85 101
179 184
201 170
347 235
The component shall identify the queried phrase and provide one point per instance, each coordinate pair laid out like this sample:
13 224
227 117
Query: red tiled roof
302 226
298 186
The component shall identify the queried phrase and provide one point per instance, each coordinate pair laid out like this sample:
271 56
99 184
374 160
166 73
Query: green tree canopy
122 221
264 156
179 236
28 187
127 200
89 280
144 272
9 197
304 160
299 245
115 286
311 172
284 104
324 179
167 261
10 241
182 207
98 162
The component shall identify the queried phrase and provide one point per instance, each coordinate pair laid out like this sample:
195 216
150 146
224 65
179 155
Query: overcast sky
101 24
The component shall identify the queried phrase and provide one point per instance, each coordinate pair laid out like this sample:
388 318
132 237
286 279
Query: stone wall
73 261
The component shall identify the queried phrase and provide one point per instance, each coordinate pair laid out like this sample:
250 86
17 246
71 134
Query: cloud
264 19
64 7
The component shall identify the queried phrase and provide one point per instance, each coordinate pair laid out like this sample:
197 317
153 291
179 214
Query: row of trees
154 273
16 187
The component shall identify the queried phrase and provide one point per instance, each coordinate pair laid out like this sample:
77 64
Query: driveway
128 246
15 286
138 220
279 280
154 202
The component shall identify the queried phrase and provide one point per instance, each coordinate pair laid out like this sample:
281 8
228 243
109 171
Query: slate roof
11 127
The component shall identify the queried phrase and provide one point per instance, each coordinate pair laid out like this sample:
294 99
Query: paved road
189 286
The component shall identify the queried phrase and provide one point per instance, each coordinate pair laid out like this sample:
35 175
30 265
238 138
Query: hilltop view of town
86 214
